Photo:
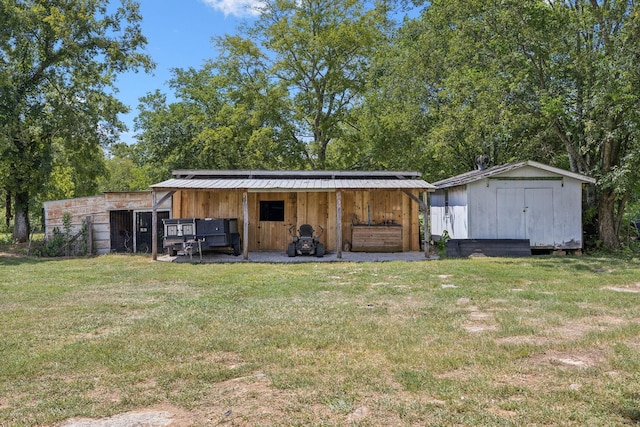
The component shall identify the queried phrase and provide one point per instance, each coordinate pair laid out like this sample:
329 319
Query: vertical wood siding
315 208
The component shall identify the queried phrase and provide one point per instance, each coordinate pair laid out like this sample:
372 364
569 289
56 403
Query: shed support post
154 219
427 217
339 223
424 208
154 226
245 225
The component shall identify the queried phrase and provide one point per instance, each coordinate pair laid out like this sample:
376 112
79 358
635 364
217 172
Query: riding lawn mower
305 242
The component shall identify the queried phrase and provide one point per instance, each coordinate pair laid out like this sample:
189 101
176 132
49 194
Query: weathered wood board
378 238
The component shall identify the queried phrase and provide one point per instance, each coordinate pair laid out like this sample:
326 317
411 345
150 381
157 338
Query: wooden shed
523 200
121 221
368 211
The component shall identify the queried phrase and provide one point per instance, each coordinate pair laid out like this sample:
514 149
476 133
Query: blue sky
179 34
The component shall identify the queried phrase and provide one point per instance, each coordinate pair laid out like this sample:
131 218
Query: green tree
550 81
58 63
122 172
275 97
221 119
321 51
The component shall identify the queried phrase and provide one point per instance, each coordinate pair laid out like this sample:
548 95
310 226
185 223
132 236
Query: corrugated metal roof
323 174
275 184
477 175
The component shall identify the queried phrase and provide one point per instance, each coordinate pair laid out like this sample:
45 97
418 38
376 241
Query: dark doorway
124 239
121 231
144 233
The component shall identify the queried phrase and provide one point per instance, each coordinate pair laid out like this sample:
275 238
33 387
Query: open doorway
143 232
131 231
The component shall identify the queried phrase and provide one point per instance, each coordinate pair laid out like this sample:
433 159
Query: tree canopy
277 95
315 84
58 62
550 81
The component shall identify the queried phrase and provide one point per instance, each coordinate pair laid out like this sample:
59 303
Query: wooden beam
154 226
427 218
413 197
154 220
245 225
339 222
162 200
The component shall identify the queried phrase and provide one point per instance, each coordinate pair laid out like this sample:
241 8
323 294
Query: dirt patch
358 415
540 371
570 331
241 401
503 413
635 289
577 329
478 321
155 417
10 255
253 400
577 359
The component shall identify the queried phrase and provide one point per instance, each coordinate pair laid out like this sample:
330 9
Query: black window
272 210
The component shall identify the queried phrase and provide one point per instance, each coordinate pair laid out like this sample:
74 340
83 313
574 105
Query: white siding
452 218
548 212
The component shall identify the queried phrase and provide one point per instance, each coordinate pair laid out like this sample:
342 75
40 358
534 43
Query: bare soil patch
569 331
635 289
154 417
576 359
240 401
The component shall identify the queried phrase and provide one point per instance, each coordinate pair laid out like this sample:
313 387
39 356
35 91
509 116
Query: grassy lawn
500 342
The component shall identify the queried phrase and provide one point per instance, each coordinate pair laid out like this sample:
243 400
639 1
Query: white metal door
510 216
538 206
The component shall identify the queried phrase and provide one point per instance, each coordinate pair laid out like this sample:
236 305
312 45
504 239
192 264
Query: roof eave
477 175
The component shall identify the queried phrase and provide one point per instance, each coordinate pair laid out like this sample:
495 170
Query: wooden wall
315 208
98 207
378 207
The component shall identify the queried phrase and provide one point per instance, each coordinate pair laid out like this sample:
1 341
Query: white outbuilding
523 200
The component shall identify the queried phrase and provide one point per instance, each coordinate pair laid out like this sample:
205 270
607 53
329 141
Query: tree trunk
607 220
21 226
7 208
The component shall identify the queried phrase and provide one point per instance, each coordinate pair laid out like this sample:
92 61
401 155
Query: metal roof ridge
291 174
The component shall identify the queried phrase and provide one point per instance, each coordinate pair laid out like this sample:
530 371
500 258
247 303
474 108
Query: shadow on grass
15 260
632 414
583 263
629 407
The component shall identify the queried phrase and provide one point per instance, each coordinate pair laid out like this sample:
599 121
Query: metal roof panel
290 184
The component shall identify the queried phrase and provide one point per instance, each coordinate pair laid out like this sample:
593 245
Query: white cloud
236 7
